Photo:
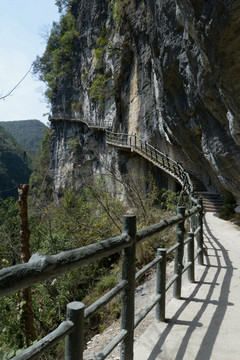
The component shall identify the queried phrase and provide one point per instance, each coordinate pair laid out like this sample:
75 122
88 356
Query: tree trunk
30 333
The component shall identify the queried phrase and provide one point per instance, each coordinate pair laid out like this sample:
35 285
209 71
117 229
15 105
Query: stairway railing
151 153
140 146
92 124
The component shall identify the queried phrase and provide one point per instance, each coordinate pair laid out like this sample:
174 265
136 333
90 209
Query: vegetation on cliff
57 59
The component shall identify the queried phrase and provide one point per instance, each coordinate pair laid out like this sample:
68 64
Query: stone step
197 184
211 201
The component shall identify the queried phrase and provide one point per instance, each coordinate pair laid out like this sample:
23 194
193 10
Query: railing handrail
182 176
44 267
19 276
94 124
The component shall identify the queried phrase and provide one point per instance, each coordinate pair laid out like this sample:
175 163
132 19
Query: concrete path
205 323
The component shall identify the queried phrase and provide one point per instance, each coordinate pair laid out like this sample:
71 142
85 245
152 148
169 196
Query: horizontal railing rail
40 268
94 124
140 146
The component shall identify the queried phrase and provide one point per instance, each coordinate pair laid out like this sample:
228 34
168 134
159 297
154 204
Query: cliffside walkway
131 142
136 144
204 323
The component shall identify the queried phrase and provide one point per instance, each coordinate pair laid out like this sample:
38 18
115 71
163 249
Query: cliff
165 70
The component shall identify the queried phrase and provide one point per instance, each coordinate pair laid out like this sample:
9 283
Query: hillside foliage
15 165
28 133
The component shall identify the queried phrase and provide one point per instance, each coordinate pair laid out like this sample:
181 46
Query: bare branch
16 86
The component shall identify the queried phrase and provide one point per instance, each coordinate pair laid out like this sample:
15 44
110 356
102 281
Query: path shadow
207 343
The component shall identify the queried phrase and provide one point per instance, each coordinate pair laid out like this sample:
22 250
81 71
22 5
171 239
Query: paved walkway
205 323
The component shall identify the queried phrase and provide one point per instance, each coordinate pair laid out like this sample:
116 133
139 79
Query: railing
152 154
92 124
40 268
140 146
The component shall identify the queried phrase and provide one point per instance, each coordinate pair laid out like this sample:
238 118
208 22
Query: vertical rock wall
169 73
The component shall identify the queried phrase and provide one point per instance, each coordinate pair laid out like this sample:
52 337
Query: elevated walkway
205 321
135 144
132 143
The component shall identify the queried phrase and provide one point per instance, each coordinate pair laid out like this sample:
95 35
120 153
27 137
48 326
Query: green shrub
101 90
58 56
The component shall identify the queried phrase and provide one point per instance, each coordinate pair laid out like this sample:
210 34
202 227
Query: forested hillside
28 133
14 165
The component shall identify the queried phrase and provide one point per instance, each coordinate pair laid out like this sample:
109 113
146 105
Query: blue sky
22 28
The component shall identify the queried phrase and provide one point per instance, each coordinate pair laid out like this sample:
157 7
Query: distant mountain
28 133
14 165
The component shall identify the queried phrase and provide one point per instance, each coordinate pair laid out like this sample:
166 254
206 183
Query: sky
23 26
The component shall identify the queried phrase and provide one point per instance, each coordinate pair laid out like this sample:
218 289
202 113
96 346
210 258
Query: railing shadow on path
206 344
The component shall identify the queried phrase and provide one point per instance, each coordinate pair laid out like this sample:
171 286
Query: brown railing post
199 236
161 285
178 266
74 341
128 294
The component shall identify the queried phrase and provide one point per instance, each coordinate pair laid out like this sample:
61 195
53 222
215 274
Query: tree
63 4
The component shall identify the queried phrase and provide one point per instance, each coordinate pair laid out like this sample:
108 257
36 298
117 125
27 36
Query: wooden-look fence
41 268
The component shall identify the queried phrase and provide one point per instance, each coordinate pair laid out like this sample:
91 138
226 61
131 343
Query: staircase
211 201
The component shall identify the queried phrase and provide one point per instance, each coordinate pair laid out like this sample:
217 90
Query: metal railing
40 268
92 124
138 145
152 154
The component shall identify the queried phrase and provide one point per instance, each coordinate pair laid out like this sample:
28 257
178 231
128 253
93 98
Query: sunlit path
205 322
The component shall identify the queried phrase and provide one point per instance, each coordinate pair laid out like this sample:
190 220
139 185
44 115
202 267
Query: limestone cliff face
165 70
